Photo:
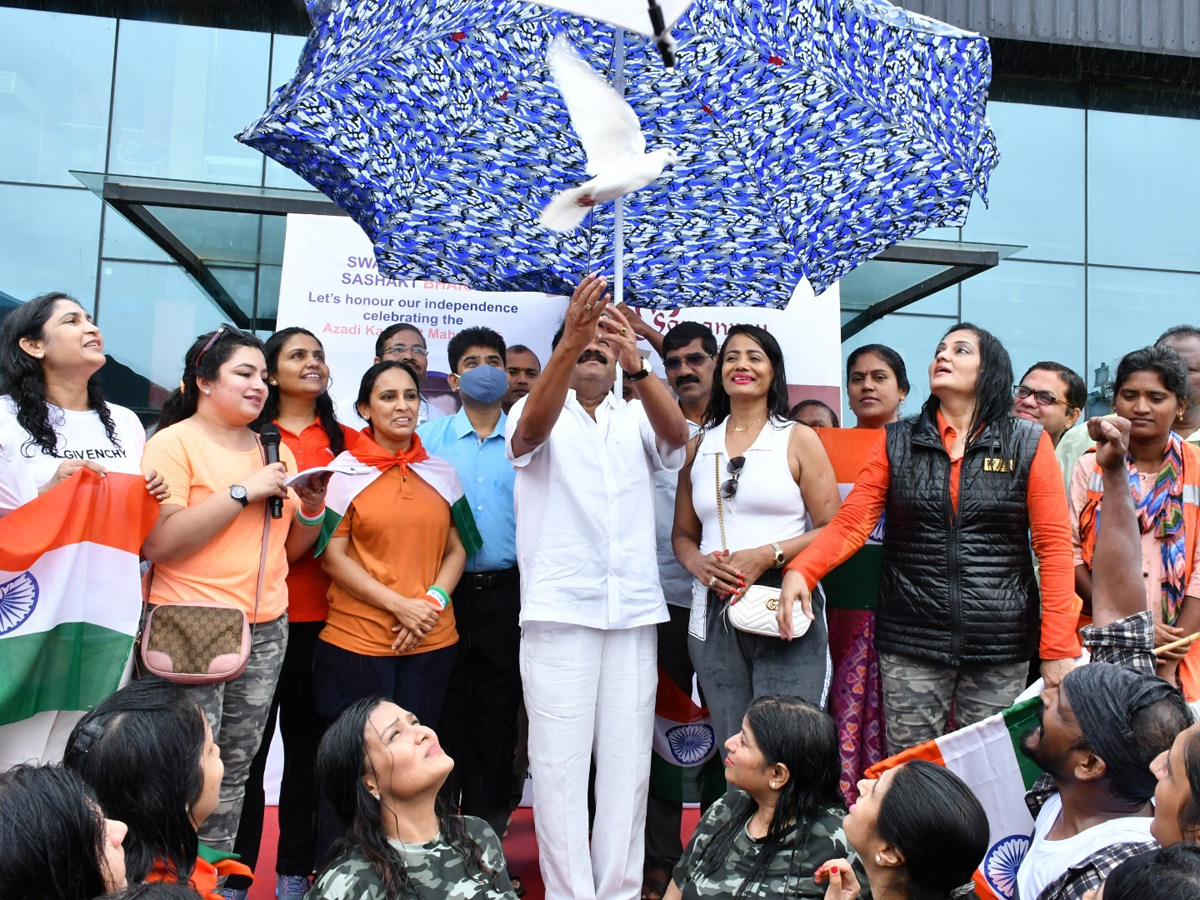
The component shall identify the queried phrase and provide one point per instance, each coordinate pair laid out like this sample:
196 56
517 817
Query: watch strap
641 373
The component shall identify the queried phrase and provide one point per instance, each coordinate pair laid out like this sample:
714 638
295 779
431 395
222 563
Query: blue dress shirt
487 478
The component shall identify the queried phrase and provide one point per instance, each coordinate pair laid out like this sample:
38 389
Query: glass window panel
1129 309
1035 194
268 294
1035 309
49 241
214 236
943 303
914 338
1143 191
285 56
181 94
239 282
122 240
150 314
55 83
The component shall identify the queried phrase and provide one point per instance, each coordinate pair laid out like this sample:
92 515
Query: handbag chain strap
262 556
720 508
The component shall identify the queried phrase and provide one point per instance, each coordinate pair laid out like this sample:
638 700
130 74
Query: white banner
330 286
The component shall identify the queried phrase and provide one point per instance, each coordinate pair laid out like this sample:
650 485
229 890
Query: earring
878 859
1178 415
207 391
773 784
273 383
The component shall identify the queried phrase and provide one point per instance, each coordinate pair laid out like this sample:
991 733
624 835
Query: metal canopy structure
908 272
222 234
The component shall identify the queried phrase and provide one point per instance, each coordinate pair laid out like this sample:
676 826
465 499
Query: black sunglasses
729 488
694 360
221 331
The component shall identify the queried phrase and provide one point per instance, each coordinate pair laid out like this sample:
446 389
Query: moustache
687 379
592 356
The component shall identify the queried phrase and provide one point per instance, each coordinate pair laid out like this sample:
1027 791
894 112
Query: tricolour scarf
1160 510
373 460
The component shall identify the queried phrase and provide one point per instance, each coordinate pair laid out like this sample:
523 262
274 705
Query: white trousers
590 692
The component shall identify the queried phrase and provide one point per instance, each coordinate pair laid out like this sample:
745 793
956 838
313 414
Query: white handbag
755 612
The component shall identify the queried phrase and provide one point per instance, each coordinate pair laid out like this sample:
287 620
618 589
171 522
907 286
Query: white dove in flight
611 136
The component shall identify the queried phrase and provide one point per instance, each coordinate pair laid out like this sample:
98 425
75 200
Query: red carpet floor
520 847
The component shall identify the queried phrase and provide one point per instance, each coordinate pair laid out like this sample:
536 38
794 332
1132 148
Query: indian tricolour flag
987 757
351 476
70 603
685 766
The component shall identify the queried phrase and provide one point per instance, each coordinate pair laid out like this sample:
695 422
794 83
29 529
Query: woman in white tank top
770 475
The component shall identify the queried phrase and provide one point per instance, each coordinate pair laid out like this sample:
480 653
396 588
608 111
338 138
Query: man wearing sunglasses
403 342
1051 395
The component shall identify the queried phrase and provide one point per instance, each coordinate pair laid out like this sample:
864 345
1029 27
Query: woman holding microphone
217 541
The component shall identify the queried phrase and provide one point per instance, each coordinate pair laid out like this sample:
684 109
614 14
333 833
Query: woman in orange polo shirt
208 543
394 558
964 485
298 402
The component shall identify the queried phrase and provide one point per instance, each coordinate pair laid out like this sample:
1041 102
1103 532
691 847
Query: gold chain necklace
751 424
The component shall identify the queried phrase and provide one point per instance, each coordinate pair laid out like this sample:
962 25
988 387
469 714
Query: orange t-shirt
225 570
307 585
398 529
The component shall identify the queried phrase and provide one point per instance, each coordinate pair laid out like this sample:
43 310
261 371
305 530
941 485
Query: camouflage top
825 842
435 869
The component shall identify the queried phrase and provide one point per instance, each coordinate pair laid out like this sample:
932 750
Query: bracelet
315 520
437 597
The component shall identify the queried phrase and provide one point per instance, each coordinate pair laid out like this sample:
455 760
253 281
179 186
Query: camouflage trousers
918 696
237 713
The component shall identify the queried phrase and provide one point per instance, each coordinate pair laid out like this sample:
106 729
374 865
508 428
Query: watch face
238 492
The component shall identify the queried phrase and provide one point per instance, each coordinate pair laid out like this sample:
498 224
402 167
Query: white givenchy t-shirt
25 467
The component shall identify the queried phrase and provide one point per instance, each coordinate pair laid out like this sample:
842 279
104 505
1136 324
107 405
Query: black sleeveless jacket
958 589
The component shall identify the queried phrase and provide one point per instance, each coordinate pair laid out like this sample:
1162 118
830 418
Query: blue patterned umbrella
811 135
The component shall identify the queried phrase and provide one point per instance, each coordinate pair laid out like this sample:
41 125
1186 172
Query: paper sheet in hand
293 480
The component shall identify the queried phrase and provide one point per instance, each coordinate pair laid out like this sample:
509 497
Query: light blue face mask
484 384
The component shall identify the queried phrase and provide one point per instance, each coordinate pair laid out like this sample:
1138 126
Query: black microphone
270 441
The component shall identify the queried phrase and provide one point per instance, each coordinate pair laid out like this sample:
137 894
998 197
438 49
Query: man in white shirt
590 593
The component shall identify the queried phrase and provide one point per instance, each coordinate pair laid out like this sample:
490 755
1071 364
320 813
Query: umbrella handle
662 40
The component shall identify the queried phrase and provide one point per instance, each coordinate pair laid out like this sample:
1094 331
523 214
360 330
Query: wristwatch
780 559
640 373
238 493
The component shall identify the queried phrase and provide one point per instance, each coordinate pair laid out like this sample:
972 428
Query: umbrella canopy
810 136
632 15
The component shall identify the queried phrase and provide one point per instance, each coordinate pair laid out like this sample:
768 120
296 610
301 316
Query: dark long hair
802 737
1167 873
342 761
325 413
777 395
51 836
932 817
182 402
1189 816
141 751
993 391
22 378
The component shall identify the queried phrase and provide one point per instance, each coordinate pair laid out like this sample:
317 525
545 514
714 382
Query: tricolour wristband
315 520
437 596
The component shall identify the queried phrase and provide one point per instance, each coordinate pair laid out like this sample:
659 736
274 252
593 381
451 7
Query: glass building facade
1102 196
